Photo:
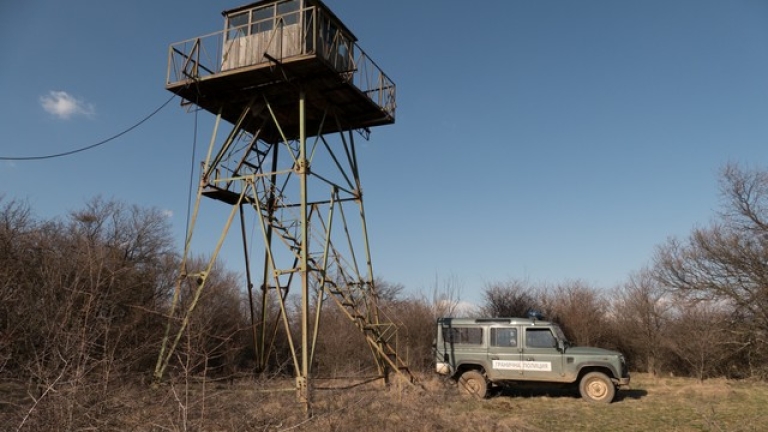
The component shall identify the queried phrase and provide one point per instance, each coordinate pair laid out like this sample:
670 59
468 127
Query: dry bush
88 284
641 312
341 349
218 336
699 337
416 331
514 298
16 228
417 316
581 310
81 300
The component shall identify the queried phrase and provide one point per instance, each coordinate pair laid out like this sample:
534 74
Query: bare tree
699 337
16 224
446 297
727 262
581 310
416 331
84 296
514 298
218 332
341 348
641 310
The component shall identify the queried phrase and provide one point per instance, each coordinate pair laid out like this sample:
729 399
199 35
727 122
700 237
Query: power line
102 142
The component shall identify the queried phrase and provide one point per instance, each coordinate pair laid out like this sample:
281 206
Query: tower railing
314 36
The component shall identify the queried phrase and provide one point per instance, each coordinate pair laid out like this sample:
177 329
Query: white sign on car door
522 365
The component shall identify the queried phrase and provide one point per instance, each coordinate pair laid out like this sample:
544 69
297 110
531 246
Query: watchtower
296 89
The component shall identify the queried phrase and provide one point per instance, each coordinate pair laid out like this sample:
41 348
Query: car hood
590 351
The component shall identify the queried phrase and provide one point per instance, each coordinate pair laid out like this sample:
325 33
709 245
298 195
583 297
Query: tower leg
302 383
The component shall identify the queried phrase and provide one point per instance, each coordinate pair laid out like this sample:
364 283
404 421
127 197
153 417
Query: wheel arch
597 367
464 367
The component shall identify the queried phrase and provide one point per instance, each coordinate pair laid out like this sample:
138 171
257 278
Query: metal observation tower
289 81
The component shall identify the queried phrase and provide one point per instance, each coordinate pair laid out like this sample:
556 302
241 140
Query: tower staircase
356 298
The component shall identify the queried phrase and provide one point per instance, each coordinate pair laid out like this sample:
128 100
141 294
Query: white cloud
167 213
63 105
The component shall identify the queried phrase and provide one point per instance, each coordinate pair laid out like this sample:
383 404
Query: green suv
480 352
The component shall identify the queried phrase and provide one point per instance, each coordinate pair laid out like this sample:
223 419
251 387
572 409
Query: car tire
473 383
597 387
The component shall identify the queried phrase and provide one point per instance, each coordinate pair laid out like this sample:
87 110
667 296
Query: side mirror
560 346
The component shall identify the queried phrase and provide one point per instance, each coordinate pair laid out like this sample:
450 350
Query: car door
541 359
505 353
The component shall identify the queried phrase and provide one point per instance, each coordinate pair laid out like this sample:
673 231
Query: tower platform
267 55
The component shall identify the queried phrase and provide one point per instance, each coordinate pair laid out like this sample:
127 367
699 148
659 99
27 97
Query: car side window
539 338
465 335
504 337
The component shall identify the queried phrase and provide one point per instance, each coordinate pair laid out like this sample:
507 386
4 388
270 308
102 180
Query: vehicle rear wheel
473 383
597 387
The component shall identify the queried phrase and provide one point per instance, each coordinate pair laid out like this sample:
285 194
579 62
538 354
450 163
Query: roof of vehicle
491 321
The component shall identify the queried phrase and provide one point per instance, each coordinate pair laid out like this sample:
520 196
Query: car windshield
559 333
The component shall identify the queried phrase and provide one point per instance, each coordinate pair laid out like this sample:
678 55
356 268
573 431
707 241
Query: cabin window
237 25
289 12
263 19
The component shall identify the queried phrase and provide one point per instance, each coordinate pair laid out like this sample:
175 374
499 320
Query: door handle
529 359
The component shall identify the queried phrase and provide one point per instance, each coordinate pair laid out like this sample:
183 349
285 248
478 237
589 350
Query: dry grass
670 404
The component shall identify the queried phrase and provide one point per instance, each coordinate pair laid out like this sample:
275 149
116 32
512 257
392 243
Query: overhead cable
89 147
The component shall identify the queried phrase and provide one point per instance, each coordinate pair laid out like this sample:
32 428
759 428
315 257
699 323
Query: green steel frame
295 96
317 243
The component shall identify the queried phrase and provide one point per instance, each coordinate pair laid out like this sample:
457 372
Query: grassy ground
669 404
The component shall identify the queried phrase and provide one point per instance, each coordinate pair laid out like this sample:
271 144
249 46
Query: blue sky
544 140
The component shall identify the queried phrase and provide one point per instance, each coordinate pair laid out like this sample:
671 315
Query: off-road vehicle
481 352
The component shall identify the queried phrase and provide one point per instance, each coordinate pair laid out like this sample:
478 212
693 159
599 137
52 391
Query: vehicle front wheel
473 383
597 387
